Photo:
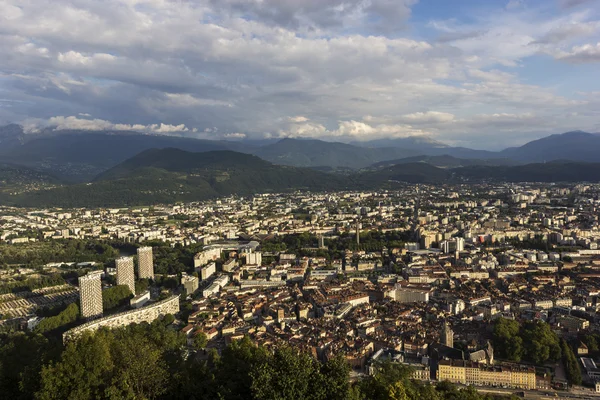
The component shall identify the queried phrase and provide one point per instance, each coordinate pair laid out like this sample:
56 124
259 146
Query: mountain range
82 168
171 175
79 156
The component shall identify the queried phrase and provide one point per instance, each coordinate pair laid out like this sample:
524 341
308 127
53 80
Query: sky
484 74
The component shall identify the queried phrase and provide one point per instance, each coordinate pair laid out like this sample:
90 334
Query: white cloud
349 130
234 135
428 117
586 53
60 123
341 69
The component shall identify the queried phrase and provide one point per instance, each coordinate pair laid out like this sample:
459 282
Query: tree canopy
533 341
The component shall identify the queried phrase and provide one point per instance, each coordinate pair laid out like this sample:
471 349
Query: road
581 394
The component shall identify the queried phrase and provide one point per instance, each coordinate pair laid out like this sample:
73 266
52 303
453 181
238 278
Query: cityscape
299 199
454 282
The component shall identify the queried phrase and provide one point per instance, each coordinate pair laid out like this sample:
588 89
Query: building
145 263
410 294
591 369
472 373
125 272
190 284
254 258
140 300
207 271
144 314
447 335
206 256
90 295
230 265
571 323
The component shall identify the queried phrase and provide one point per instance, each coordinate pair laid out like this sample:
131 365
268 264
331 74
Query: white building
207 271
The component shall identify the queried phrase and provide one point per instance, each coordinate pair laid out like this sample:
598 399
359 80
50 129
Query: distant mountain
546 172
574 146
11 136
318 153
417 172
420 172
171 175
423 143
80 155
444 161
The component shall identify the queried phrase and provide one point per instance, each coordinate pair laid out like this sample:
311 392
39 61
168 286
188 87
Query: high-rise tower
416 212
145 263
125 272
90 295
447 335
358 232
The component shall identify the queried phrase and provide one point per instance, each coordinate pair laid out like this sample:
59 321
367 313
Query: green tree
397 392
200 341
21 359
541 343
116 296
61 321
570 363
507 340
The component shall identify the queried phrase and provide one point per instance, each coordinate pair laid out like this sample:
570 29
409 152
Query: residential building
125 272
145 263
90 295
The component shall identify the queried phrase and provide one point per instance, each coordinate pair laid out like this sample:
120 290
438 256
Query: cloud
349 130
573 3
311 15
335 69
569 31
60 123
234 135
428 117
587 53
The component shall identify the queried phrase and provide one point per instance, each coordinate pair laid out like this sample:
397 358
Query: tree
61 321
200 341
541 343
116 296
570 363
397 392
141 285
507 340
21 359
135 362
287 374
84 371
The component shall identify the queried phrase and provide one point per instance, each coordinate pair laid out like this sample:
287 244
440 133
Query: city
430 277
299 199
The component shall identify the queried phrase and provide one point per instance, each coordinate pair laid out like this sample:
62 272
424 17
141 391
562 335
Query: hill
575 146
541 172
16 180
420 143
417 172
78 156
318 153
172 175
421 172
19 175
444 161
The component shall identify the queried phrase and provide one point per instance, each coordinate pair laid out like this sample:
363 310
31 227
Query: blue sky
476 73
